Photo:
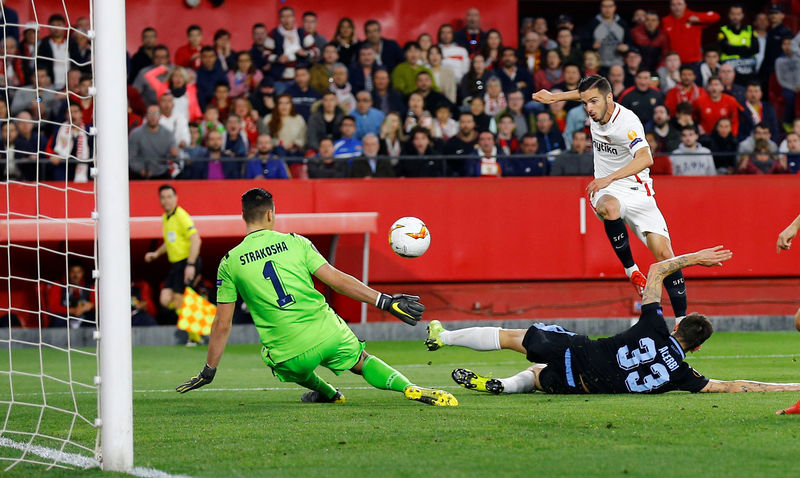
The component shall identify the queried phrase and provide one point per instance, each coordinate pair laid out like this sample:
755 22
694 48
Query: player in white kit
622 191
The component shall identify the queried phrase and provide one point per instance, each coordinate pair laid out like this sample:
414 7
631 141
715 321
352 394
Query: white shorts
638 209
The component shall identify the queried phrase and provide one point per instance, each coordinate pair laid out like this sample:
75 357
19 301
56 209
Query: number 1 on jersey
271 274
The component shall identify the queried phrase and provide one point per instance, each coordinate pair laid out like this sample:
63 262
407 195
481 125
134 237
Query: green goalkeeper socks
315 382
380 375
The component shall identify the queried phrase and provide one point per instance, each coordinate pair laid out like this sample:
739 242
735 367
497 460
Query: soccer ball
409 237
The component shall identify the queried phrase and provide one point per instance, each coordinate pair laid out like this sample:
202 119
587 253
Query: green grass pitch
247 423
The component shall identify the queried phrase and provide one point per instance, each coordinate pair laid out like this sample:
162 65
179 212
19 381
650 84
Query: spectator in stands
757 111
70 143
234 139
559 113
684 28
531 52
244 110
550 139
27 145
642 98
709 67
507 142
686 92
494 99
525 162
793 152
684 116
661 164
722 142
578 161
226 57
691 158
669 74
486 164
384 98
473 84
787 72
453 55
12 70
286 127
209 75
368 119
10 21
188 56
245 78
392 135
9 167
738 45
82 59
477 106
160 58
368 165
651 40
668 137
471 37
180 82
27 98
362 70
421 144
463 143
551 74
760 132
567 48
303 96
616 76
210 123
222 164
310 27
150 146
387 52
404 76
523 121
540 27
347 146
512 76
342 88
425 43
709 109
265 163
591 63
290 46
323 165
193 168
322 72
325 121
416 114
444 126
173 121
73 305
263 50
608 34
783 147
577 120
443 75
632 64
763 161
728 76
760 29
774 40
344 40
493 49
54 51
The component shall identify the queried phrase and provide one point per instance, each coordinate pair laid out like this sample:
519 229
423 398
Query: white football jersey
614 145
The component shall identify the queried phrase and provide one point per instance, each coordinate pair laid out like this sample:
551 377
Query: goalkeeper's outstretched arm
220 331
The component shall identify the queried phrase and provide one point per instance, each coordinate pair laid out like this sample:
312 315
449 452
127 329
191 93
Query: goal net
52 292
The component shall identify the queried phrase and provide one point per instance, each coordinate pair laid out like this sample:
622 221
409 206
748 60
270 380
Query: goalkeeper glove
203 378
403 306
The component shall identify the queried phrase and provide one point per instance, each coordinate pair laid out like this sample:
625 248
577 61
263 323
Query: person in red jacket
651 40
707 110
684 28
685 92
74 302
188 56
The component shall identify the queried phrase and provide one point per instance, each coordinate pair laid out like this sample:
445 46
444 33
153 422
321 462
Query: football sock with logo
475 338
381 375
618 235
676 289
315 382
519 383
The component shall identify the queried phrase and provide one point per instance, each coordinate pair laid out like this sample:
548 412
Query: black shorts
174 278
550 344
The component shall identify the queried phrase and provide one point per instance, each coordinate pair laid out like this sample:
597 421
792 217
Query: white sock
476 338
630 270
519 383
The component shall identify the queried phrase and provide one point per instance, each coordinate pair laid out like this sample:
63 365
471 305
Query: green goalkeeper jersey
272 272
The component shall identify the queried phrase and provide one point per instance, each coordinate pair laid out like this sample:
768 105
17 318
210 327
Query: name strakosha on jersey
262 253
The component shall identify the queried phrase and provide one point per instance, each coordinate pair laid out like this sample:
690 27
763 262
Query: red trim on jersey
646 187
617 114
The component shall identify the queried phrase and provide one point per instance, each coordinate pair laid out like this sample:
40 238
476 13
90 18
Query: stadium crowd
455 102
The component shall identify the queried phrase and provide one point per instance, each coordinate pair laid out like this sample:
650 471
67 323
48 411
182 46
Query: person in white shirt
174 121
622 191
453 55
691 158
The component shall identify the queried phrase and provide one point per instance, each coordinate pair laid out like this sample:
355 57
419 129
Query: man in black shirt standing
642 98
644 359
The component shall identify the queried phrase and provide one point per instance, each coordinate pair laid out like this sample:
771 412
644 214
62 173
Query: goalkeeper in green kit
298 330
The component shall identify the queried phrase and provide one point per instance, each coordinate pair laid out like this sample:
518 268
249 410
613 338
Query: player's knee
608 210
511 339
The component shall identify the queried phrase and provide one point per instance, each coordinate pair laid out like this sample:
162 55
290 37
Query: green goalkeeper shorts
339 352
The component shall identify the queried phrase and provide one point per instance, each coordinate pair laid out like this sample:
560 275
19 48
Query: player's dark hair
165 187
693 330
255 204
595 81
